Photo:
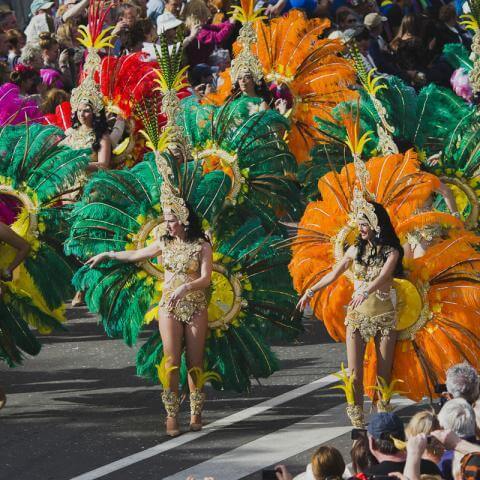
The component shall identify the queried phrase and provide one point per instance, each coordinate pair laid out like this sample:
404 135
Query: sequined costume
377 313
182 259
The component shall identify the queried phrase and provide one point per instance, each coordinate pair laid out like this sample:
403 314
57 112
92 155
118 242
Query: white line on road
275 447
214 426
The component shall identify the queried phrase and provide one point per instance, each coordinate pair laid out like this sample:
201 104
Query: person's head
362 458
39 7
53 98
386 235
67 34
426 422
346 18
16 40
458 415
409 26
85 116
246 85
8 20
174 7
3 44
167 24
246 82
127 13
32 56
202 74
142 31
197 11
363 39
463 382
374 23
50 48
327 462
382 429
175 228
448 14
26 78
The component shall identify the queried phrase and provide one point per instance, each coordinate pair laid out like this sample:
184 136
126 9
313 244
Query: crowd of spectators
436 443
40 52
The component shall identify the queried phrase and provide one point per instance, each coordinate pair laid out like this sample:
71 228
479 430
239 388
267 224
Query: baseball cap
384 425
40 5
470 465
373 20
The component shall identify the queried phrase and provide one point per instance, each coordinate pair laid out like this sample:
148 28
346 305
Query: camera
269 474
440 388
357 433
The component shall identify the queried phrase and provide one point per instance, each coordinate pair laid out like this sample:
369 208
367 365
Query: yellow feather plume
163 372
347 386
201 377
386 390
469 22
102 41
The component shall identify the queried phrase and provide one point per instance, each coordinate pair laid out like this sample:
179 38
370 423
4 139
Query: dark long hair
193 231
386 237
99 125
261 90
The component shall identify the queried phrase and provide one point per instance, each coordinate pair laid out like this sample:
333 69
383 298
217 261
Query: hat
470 465
5 9
40 5
373 20
383 426
167 21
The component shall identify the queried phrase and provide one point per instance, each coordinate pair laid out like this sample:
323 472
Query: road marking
275 447
212 427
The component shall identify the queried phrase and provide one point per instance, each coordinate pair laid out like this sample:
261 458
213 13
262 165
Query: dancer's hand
357 300
303 302
177 295
97 260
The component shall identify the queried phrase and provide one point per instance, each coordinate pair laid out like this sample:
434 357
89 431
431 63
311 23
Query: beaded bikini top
180 257
373 260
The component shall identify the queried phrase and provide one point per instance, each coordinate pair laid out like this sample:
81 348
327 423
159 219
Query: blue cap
383 426
40 5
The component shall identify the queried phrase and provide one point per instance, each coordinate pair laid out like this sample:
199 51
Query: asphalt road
78 411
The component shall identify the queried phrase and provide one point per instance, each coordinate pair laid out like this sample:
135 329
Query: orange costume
437 316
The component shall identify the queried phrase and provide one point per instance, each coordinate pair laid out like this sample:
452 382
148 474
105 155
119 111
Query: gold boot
171 403
197 400
355 414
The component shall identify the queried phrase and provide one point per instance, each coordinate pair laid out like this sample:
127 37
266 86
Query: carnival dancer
434 315
375 259
186 254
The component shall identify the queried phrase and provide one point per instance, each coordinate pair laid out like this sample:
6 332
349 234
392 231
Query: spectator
458 416
16 41
372 57
174 7
411 55
374 23
53 98
463 382
202 79
3 47
42 20
32 56
426 422
27 80
127 16
143 31
209 37
8 20
154 9
362 458
383 427
346 18
448 30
